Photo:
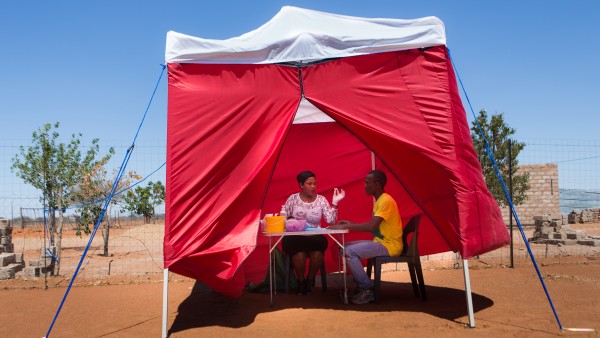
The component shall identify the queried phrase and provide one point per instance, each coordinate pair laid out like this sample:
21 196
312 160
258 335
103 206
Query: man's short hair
379 176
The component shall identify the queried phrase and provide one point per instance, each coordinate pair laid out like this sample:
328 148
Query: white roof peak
300 35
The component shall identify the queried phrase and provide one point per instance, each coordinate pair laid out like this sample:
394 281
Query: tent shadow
204 307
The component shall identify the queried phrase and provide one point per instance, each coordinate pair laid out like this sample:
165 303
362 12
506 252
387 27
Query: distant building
542 197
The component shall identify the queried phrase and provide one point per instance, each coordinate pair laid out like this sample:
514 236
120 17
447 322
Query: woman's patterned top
312 211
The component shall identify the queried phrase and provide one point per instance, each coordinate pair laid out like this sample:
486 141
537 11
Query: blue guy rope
512 207
106 203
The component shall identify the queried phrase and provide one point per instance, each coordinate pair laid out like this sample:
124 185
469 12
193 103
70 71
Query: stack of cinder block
555 229
547 226
584 216
6 244
42 266
10 262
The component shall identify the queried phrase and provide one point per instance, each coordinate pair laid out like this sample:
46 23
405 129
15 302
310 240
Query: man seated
386 227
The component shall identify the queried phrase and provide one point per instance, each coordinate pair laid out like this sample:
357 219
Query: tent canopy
243 121
302 35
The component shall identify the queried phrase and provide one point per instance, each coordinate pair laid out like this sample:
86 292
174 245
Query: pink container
295 225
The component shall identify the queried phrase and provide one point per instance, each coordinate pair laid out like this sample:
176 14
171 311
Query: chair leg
377 282
369 266
323 277
287 268
421 281
413 279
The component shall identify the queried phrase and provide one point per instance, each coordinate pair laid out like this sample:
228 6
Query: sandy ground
128 302
508 302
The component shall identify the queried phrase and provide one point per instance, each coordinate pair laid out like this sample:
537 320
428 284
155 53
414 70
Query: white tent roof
302 35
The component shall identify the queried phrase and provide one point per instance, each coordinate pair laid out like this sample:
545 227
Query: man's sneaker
364 296
354 292
350 292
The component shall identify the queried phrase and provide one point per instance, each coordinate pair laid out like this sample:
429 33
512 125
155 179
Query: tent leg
271 271
468 292
165 302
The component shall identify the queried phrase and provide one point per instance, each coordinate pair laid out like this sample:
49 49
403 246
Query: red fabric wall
232 150
225 128
405 106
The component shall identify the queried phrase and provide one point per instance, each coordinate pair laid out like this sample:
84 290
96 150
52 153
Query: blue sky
93 65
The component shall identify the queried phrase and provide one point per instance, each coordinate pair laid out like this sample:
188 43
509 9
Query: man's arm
364 227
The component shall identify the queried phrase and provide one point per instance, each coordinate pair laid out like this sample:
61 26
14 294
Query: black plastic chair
289 272
410 255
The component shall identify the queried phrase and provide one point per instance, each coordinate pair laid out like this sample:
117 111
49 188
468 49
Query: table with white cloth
276 237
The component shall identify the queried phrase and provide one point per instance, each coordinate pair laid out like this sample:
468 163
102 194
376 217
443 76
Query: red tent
333 94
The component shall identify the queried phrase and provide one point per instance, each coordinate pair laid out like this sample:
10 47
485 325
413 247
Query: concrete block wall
584 216
542 197
42 266
556 229
6 236
10 262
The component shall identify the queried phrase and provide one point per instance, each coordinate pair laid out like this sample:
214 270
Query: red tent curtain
232 150
403 106
226 126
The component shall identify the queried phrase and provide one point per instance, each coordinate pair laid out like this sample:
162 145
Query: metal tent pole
165 302
468 292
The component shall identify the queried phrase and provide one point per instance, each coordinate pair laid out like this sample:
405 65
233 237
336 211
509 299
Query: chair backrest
412 226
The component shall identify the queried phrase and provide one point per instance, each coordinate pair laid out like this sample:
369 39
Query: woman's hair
303 176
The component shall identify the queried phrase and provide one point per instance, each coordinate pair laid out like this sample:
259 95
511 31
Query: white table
322 231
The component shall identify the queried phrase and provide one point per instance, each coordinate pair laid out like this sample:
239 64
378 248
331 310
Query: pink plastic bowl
295 225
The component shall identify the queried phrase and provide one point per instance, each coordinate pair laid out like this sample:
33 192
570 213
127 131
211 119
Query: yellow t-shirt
390 229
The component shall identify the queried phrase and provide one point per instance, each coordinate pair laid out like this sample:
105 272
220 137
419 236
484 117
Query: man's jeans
355 251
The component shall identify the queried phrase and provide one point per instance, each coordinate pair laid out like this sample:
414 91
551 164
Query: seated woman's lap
291 245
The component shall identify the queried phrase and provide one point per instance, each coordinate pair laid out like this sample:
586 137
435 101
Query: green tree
95 186
55 168
498 134
142 201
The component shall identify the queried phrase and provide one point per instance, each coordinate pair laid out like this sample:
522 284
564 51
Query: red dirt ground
508 303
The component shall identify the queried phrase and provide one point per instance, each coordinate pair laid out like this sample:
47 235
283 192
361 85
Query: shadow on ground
204 307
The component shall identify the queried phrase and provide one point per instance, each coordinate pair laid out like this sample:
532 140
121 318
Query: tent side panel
226 126
371 98
481 218
401 106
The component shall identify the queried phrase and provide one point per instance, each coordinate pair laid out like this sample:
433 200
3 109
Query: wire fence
126 249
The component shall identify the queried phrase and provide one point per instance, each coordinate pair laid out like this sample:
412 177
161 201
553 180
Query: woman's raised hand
338 195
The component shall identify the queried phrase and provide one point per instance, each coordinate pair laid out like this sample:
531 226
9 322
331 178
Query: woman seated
312 207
